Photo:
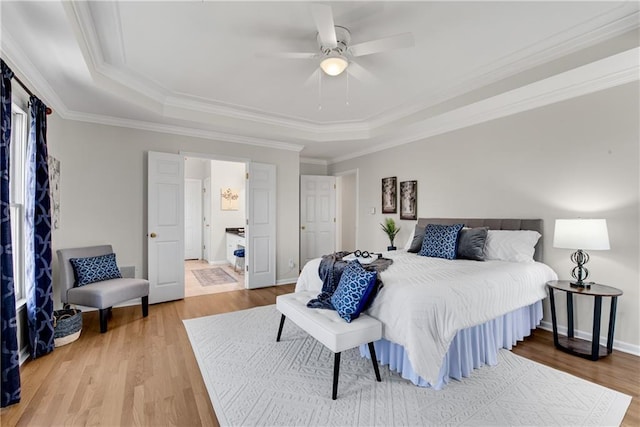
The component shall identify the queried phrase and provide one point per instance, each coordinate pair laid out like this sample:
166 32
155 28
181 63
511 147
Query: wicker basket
67 324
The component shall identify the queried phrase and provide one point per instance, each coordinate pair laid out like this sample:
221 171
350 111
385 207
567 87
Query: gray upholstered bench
330 329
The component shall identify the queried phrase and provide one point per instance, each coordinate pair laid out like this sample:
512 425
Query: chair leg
280 328
374 360
104 314
336 372
145 306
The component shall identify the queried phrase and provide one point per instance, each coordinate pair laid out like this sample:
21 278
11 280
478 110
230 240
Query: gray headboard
494 224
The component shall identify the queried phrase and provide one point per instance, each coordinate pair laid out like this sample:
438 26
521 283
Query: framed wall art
229 199
409 200
390 195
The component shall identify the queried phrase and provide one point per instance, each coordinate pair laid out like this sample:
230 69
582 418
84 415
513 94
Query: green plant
389 227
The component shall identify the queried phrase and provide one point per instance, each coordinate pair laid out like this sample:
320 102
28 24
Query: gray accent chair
102 295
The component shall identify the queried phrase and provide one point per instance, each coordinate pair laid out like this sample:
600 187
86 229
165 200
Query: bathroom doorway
215 216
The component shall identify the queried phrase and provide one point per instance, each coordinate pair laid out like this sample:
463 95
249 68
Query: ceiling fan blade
361 73
288 55
387 43
323 17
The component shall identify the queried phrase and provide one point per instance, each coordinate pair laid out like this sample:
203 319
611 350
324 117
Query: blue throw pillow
352 293
440 241
95 269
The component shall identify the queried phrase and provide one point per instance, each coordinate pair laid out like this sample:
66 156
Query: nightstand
576 346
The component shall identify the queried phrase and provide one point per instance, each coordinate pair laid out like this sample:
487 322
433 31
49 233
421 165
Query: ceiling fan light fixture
334 64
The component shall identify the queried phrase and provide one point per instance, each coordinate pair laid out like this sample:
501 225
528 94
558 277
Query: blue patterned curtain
10 353
39 286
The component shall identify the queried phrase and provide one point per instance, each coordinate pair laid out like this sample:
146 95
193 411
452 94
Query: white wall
195 168
103 188
312 169
223 176
577 158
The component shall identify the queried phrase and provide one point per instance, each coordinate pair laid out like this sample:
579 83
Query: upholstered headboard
494 224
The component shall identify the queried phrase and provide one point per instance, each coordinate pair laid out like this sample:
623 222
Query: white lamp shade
585 234
334 65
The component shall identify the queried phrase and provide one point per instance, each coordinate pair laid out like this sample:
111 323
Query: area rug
213 276
253 380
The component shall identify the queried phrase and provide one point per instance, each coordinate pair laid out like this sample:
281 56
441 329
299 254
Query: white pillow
408 244
511 245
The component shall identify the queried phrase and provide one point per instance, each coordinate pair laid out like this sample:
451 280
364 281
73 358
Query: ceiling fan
335 51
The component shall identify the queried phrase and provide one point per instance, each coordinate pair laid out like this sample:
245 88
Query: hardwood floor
143 371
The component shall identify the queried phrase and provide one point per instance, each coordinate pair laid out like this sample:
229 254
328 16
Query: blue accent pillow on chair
353 291
95 269
440 241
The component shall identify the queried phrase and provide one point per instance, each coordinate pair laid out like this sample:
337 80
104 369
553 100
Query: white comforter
426 301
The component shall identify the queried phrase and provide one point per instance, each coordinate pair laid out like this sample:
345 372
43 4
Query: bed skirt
471 348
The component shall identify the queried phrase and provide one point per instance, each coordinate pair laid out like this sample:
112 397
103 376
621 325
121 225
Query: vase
391 248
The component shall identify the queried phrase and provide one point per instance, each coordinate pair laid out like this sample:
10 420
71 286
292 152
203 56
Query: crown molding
551 49
599 75
184 131
168 103
316 129
30 75
153 96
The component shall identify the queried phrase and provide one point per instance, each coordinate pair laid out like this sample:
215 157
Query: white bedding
425 301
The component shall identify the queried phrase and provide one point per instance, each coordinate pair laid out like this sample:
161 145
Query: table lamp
581 234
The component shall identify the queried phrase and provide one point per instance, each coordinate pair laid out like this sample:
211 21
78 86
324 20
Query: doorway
328 214
346 210
165 223
218 209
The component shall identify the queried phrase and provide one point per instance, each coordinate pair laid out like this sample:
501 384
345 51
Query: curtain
9 345
39 286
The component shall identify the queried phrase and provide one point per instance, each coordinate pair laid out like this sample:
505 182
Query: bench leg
280 328
145 306
374 360
336 373
104 313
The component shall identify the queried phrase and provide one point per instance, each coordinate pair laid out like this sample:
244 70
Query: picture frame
390 195
229 199
409 200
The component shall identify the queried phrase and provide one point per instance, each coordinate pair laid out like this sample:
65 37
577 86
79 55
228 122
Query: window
17 187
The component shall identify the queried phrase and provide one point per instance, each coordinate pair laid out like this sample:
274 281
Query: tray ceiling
202 68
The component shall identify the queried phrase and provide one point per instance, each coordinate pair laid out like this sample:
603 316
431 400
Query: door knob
153 235
302 227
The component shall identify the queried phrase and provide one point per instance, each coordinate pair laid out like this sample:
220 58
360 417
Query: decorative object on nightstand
389 227
581 234
579 347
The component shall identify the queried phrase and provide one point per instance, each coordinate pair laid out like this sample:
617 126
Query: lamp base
580 284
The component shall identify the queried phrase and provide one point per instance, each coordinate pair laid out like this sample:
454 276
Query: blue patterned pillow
353 291
440 241
95 269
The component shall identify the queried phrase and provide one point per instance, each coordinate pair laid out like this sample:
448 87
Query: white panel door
192 219
165 239
317 216
260 234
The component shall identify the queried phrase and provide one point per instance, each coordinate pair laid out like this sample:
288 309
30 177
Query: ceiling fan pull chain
347 101
319 91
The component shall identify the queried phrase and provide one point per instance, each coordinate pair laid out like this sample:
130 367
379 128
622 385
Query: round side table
576 346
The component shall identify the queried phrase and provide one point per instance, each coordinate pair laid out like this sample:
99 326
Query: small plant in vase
389 227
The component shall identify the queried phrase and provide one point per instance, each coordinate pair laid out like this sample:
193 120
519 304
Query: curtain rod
49 110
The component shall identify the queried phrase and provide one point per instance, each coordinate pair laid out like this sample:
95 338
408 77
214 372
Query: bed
443 318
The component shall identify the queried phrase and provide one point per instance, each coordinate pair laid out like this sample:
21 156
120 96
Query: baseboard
219 262
624 347
290 281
